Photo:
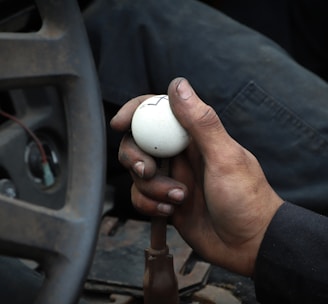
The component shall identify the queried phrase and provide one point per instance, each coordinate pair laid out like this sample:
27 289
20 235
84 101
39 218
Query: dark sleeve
292 264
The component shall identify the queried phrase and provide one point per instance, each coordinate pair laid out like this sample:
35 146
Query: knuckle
208 119
136 197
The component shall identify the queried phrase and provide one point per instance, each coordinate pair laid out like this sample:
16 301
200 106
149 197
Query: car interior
59 214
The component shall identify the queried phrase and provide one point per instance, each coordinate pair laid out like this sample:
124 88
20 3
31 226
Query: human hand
218 196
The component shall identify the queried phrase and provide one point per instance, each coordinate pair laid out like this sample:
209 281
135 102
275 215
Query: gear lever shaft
156 131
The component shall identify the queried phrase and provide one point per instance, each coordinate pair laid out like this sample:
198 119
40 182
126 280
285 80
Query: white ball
156 130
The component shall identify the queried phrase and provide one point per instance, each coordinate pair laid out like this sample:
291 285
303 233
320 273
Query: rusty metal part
109 299
118 266
158 233
160 283
214 295
120 299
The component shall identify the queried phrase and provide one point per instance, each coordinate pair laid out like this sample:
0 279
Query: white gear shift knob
156 130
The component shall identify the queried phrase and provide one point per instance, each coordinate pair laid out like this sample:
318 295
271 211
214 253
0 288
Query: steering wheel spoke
35 232
51 52
36 57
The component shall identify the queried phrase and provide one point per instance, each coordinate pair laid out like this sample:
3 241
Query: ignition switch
41 174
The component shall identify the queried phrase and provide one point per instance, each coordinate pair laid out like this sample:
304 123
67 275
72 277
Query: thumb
199 119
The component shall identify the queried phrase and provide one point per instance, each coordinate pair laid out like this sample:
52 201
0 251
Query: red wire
30 132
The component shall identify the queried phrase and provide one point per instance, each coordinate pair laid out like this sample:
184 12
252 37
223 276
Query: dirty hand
217 195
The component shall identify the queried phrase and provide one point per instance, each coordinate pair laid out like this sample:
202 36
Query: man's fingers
158 195
122 120
149 206
134 159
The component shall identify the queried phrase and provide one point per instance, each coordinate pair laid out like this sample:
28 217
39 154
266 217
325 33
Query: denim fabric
267 102
291 146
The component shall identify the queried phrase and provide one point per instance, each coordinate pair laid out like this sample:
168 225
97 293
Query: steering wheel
61 239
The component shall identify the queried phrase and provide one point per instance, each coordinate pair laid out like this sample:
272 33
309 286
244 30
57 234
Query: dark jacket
292 264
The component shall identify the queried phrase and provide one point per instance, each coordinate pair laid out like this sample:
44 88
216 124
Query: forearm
292 264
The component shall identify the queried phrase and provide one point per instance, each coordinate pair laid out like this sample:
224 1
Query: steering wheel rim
62 241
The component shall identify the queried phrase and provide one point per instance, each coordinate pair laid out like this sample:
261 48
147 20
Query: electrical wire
30 132
48 176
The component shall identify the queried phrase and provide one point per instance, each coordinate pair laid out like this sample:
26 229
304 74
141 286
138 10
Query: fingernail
139 168
165 208
176 195
184 89
113 118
